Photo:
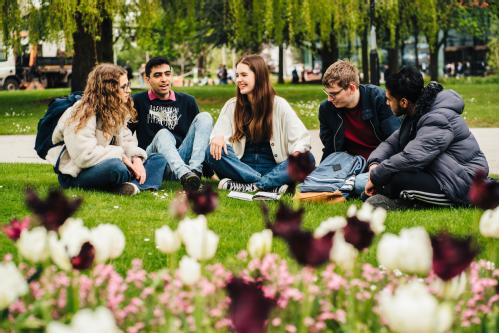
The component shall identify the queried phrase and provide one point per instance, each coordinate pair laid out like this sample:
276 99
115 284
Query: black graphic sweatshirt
153 115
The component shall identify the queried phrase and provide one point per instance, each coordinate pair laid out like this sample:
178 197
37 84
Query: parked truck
16 72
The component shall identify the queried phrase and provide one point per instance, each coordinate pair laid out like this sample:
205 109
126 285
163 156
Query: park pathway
19 148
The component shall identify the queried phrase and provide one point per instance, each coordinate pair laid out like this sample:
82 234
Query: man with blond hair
355 118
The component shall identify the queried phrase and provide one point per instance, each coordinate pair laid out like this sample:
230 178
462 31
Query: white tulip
489 223
33 244
73 235
412 309
411 252
331 224
108 240
189 271
367 213
450 290
200 242
203 245
343 253
87 321
167 241
12 286
260 243
58 252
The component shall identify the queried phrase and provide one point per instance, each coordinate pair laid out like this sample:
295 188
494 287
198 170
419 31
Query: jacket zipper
374 130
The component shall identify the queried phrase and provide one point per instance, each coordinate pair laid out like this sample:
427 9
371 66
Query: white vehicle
8 78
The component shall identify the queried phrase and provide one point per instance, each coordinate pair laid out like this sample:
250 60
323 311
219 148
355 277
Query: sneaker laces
241 187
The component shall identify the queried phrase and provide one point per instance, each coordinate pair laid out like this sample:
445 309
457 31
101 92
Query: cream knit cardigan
88 146
288 132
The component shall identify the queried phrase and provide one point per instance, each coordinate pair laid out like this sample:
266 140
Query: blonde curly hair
102 99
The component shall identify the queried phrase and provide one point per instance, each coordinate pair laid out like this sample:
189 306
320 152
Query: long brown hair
101 98
254 119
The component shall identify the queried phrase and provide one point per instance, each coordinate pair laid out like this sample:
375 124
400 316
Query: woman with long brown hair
99 151
255 133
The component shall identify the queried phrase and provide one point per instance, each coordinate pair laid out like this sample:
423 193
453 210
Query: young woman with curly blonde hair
255 133
99 151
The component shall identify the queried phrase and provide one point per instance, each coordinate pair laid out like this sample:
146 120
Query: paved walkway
19 148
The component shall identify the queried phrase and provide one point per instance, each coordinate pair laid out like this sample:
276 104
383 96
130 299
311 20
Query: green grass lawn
234 221
20 110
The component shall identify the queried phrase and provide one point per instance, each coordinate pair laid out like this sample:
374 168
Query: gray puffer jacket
440 144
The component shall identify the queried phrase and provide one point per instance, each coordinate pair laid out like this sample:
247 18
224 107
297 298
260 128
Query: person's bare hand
370 189
138 169
216 146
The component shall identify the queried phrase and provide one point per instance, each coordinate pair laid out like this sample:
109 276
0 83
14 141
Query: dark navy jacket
375 111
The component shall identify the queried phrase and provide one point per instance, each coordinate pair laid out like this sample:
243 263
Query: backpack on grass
48 122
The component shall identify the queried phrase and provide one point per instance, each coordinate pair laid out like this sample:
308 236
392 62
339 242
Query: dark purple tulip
249 308
451 256
54 210
484 193
85 258
300 165
308 250
203 201
358 233
287 220
14 229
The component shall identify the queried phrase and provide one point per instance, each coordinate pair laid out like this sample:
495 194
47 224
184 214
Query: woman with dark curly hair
99 151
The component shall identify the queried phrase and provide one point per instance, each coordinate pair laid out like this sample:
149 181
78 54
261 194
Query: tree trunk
200 64
104 47
280 76
415 35
84 58
365 56
393 53
329 52
434 55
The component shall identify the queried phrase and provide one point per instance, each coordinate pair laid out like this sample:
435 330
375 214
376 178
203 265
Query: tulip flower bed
288 276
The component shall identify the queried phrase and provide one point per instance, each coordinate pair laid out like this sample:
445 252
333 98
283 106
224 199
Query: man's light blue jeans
190 155
252 168
360 183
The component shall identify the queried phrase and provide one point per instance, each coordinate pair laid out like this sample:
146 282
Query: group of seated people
415 142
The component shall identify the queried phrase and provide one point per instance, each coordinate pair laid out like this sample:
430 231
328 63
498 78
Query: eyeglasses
333 94
126 85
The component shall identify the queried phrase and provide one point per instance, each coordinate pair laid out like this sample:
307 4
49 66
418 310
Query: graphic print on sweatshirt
166 116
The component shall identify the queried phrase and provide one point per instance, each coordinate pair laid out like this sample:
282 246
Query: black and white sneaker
279 190
231 185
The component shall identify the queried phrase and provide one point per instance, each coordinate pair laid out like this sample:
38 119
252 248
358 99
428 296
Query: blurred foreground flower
200 242
452 289
375 217
54 210
343 253
287 221
489 223
300 165
411 252
189 270
260 243
109 242
33 244
203 201
12 286
308 250
99 321
85 258
179 205
412 309
167 241
484 193
15 227
249 308
451 256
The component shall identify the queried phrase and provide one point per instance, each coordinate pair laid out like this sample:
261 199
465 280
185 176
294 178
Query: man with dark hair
170 123
433 157
355 117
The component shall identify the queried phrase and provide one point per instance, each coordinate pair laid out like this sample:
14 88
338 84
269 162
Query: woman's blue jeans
260 169
108 175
